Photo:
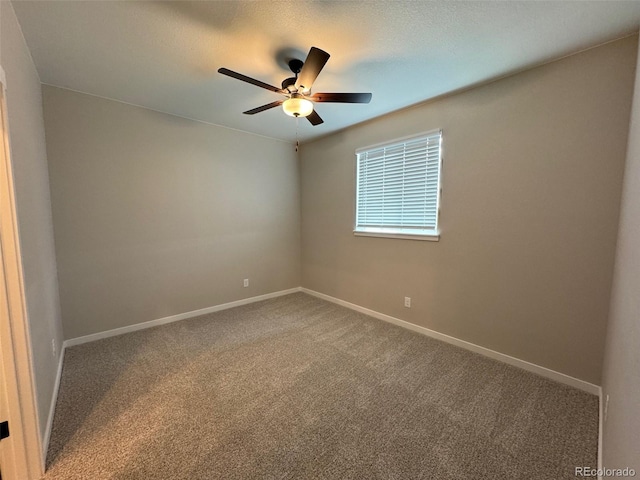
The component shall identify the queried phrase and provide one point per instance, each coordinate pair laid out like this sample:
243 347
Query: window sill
430 237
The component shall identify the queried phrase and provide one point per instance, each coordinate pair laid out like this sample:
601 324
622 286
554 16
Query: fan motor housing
287 82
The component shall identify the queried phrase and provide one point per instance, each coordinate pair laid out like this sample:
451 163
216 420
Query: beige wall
156 215
621 377
33 205
532 176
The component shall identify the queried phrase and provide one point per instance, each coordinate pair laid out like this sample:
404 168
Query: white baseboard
52 409
530 367
132 328
173 318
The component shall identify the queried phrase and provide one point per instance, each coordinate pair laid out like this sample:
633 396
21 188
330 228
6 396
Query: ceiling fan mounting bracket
295 65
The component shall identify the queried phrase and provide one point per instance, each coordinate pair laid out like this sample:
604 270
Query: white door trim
14 329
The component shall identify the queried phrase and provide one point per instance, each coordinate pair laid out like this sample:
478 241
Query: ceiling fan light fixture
297 106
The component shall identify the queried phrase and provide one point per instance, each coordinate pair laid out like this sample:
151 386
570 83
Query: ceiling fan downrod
295 66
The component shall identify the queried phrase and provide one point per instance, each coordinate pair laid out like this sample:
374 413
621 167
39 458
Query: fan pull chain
297 144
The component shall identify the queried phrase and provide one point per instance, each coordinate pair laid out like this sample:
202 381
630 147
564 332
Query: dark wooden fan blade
252 81
312 66
314 118
341 97
253 111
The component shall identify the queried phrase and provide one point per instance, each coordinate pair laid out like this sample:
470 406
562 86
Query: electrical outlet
53 347
606 407
246 282
407 302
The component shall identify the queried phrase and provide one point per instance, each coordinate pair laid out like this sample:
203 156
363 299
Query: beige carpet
298 388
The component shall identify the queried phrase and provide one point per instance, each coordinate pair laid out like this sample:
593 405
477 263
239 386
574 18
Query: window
398 188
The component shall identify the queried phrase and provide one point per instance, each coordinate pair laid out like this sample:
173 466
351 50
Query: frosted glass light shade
296 106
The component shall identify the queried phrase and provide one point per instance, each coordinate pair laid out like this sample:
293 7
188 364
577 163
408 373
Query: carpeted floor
299 388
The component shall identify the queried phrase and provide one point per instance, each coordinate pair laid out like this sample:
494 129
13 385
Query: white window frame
400 233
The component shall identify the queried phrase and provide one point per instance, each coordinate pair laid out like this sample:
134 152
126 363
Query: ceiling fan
297 89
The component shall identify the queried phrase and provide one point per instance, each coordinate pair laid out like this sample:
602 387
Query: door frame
24 445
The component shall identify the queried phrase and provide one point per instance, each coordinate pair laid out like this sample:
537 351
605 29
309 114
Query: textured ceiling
165 55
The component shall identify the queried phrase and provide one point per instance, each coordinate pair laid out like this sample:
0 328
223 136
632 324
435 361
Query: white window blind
398 186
